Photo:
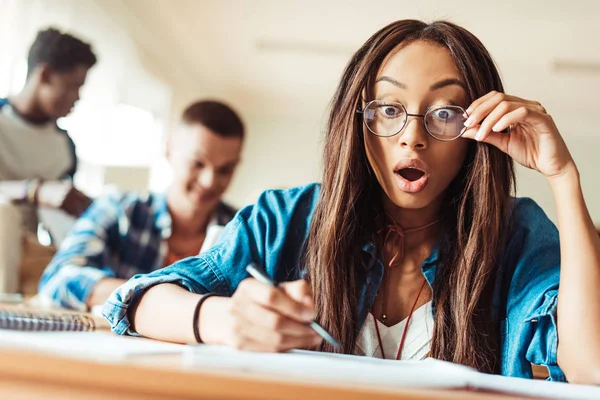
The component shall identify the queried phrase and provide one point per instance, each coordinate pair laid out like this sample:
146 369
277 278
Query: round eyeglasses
387 119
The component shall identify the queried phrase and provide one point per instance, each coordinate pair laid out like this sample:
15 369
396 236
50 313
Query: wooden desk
36 375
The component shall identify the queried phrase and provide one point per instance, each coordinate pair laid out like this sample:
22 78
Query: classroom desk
28 374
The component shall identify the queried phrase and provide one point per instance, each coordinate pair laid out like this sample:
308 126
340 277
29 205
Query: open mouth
411 174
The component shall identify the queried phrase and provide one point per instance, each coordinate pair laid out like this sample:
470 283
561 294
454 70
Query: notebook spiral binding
36 320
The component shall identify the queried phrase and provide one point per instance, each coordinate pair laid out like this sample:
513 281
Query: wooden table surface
28 374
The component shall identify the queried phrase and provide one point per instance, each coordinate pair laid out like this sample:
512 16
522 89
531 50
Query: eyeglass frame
430 108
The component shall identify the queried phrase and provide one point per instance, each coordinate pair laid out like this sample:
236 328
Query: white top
416 344
29 151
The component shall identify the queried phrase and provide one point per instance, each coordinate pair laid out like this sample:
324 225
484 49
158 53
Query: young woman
412 246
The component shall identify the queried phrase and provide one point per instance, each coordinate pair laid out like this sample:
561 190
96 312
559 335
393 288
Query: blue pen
260 276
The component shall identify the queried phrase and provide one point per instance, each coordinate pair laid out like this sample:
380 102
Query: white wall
278 153
585 152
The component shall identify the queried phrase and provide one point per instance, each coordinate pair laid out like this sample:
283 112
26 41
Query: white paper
366 371
537 388
87 344
328 368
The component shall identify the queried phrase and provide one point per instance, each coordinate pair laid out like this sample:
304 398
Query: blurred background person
120 236
37 158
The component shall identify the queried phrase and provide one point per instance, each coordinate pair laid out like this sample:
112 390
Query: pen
260 276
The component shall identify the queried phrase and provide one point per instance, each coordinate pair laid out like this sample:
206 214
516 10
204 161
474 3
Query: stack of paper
315 367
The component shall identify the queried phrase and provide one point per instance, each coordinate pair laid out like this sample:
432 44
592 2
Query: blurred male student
121 236
37 159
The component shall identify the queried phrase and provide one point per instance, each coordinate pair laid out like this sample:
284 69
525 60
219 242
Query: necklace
396 229
403 337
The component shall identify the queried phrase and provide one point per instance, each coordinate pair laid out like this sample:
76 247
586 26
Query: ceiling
283 59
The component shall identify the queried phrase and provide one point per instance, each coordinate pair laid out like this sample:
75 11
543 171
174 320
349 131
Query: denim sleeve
83 257
533 293
269 233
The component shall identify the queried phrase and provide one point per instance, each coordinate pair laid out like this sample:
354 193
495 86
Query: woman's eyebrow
438 85
447 82
392 81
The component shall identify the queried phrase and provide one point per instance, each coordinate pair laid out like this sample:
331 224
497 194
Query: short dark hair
216 116
60 51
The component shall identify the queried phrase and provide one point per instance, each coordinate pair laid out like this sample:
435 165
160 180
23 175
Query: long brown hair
474 222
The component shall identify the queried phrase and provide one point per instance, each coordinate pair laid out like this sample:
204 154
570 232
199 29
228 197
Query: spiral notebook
21 318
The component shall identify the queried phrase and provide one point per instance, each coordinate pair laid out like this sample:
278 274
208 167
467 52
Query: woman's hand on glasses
534 140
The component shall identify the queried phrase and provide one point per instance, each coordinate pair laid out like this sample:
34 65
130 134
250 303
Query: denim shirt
272 233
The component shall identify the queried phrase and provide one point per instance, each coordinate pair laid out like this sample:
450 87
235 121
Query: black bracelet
197 315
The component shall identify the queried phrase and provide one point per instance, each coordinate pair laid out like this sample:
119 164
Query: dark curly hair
59 51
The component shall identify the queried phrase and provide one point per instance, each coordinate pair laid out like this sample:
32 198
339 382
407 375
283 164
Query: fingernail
469 121
496 128
308 314
479 135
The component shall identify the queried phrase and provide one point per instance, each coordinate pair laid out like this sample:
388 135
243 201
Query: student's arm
257 317
563 322
250 315
579 300
52 194
536 143
82 273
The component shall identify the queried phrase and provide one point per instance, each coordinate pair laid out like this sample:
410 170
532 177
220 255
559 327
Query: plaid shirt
117 237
